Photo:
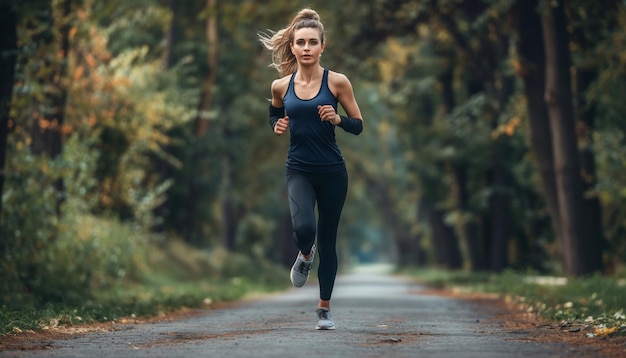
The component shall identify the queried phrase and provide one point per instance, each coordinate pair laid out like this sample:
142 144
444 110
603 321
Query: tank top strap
290 88
325 79
293 75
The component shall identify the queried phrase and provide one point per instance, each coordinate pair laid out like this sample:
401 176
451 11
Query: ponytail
279 42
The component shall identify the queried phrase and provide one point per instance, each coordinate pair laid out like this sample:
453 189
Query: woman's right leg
302 206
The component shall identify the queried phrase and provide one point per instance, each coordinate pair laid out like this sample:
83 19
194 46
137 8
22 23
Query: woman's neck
310 74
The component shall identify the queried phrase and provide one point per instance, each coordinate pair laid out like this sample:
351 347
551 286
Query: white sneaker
325 321
301 268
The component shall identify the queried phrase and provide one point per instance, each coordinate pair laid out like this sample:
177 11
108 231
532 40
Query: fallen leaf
603 331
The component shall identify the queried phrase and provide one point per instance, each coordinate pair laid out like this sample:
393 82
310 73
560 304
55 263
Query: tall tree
47 128
499 175
591 24
208 85
576 237
205 104
8 58
476 76
481 57
531 69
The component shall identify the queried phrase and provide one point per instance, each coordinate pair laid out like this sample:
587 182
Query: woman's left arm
353 122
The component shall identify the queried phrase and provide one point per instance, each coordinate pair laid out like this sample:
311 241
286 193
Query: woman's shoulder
338 79
280 85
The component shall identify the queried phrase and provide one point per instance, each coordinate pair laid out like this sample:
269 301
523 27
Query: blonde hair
279 42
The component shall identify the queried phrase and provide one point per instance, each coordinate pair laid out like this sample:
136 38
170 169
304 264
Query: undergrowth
175 276
595 303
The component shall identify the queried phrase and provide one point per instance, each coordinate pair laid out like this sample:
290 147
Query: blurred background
135 146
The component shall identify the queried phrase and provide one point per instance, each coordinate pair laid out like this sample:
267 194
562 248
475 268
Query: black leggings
328 190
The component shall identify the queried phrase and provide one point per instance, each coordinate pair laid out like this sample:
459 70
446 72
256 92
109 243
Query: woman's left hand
328 113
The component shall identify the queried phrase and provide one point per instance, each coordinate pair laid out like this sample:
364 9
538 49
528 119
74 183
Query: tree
591 24
8 58
531 70
576 238
48 126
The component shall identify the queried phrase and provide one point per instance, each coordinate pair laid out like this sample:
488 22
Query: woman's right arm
279 121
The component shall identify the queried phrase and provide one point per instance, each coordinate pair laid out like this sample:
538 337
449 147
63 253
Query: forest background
135 146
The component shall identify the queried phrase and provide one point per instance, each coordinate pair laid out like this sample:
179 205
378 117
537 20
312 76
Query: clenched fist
281 126
328 113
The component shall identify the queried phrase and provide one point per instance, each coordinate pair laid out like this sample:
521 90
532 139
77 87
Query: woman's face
307 45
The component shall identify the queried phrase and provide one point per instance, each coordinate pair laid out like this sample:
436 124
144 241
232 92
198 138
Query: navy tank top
312 145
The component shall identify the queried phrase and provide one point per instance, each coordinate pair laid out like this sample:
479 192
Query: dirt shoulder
535 329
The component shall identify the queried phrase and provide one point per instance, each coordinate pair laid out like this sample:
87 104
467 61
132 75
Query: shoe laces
304 267
322 314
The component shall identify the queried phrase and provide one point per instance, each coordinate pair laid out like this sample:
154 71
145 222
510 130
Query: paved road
376 315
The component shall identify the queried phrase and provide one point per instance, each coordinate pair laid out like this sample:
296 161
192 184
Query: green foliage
130 276
595 301
28 223
118 115
52 259
133 163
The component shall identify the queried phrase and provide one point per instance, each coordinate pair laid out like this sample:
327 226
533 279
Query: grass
596 302
133 301
176 276
101 269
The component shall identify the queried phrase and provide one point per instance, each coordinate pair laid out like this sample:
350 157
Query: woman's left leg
331 195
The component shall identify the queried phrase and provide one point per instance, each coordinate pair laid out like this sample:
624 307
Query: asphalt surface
376 315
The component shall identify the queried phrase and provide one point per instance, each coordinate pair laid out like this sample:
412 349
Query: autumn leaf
604 331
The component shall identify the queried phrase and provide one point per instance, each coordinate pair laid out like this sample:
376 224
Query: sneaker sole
324 328
297 284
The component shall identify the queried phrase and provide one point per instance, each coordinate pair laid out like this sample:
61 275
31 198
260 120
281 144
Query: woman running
304 100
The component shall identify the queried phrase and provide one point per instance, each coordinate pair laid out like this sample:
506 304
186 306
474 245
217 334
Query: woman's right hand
282 125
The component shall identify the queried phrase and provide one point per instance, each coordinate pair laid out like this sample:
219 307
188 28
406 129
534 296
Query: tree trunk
445 241
161 166
8 57
499 208
532 72
475 245
206 99
444 237
47 130
229 206
204 107
559 100
500 200
604 14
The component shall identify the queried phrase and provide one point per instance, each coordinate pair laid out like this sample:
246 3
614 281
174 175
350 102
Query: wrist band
351 125
275 114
